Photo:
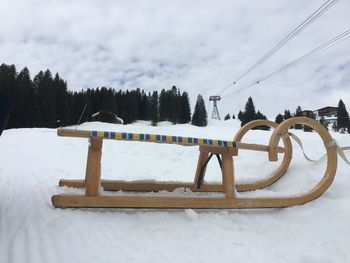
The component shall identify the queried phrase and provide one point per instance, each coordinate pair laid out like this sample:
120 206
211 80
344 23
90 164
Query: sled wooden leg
201 161
227 175
93 167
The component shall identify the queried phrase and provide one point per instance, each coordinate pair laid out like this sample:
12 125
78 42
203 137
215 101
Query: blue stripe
225 143
113 135
106 134
220 143
163 138
124 135
148 137
142 137
210 142
158 137
189 140
179 139
195 140
130 136
205 141
94 133
174 139
234 144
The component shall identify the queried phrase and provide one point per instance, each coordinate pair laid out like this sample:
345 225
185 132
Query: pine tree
249 113
46 99
233 116
279 118
227 117
153 108
27 104
287 115
298 113
342 117
8 87
163 105
143 106
107 101
240 115
8 76
62 103
18 112
200 116
185 109
175 100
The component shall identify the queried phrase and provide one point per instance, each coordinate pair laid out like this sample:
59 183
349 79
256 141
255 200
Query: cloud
200 46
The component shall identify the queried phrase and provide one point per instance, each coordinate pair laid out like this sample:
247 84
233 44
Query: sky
200 46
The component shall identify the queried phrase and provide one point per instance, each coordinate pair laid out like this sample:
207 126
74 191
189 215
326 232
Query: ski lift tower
215 114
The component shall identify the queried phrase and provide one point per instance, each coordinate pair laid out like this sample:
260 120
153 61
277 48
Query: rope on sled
332 143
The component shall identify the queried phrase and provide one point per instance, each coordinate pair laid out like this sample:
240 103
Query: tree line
46 101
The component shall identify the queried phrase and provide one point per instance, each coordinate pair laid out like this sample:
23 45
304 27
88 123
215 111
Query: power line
334 41
314 16
291 35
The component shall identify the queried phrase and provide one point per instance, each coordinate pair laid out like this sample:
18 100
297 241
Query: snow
31 230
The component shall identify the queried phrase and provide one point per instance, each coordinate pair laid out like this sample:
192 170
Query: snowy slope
33 160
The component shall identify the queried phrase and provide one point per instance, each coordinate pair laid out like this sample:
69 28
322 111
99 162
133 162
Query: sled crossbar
205 195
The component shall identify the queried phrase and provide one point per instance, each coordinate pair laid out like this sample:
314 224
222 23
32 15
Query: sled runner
224 152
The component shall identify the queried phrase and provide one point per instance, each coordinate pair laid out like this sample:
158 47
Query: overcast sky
199 46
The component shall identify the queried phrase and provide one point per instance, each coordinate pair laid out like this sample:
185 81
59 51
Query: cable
301 27
314 16
334 41
330 43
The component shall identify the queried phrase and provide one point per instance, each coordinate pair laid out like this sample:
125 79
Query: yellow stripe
184 140
215 143
153 138
118 135
136 137
169 139
100 134
200 141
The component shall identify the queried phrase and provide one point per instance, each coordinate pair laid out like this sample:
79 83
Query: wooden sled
225 151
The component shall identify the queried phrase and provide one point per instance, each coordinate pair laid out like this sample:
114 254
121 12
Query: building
328 114
107 116
308 113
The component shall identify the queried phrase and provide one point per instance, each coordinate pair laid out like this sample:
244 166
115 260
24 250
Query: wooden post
93 167
228 175
201 160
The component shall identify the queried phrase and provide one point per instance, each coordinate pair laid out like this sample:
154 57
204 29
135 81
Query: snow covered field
33 160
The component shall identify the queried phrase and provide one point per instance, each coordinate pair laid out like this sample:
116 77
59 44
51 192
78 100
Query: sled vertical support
227 175
93 167
203 155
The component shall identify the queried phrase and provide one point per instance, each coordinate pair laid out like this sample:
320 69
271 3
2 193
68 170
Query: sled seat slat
147 137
